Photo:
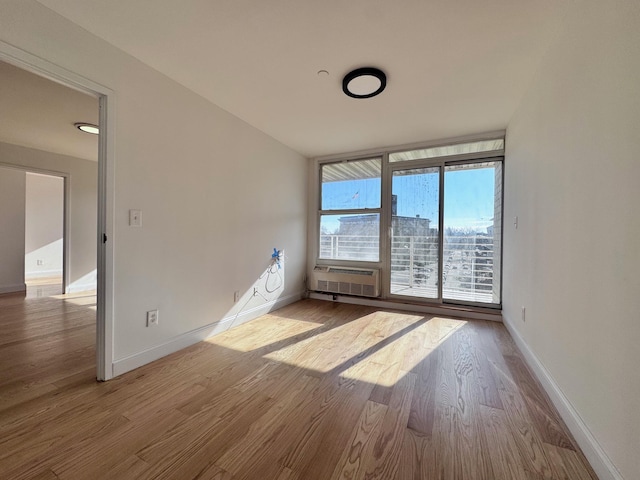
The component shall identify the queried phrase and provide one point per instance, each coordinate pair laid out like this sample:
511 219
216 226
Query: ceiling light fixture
364 82
87 128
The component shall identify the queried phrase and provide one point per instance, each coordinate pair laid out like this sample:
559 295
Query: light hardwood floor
315 390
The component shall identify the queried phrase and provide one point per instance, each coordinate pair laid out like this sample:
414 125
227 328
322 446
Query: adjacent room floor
315 390
46 341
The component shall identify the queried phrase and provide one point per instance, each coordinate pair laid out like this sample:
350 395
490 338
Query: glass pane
496 145
350 237
472 232
414 232
351 185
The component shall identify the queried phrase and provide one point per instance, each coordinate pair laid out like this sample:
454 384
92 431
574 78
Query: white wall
44 222
217 195
82 178
12 198
573 179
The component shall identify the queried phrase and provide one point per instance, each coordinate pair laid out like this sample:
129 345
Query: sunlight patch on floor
316 352
373 340
261 333
81 301
417 343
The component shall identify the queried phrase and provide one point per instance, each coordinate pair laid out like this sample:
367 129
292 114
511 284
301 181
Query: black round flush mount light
364 82
87 128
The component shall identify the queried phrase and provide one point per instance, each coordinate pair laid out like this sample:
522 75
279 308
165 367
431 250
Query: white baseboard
186 339
81 287
599 460
42 274
445 310
17 288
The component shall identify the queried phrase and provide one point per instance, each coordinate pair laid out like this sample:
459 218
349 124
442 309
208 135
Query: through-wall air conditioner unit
363 282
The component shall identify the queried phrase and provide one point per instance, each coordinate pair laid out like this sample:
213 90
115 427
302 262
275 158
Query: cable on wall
272 281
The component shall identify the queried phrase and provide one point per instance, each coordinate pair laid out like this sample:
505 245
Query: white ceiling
454 67
38 113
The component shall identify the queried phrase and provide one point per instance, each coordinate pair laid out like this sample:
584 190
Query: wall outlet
39 262
236 296
152 318
524 318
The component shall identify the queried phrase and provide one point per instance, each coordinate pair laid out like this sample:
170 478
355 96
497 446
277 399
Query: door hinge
104 238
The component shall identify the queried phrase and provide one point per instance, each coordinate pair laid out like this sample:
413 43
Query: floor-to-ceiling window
429 218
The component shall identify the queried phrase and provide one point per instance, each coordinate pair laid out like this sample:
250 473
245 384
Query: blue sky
469 197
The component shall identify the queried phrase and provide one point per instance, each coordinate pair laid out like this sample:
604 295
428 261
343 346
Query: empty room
323 240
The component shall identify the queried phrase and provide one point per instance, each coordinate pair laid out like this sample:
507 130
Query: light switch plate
135 218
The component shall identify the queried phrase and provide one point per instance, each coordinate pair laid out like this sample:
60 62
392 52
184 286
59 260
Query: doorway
101 275
44 238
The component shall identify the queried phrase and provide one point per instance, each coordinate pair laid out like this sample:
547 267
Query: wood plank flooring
315 390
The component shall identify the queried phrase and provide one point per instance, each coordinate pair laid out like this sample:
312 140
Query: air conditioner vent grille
350 271
345 281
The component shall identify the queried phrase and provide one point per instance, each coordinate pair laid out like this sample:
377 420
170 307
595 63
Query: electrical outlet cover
152 318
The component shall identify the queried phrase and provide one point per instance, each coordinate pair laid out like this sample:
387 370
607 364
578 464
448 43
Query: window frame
348 211
384 257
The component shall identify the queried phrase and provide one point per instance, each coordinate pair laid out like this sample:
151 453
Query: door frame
66 255
441 163
386 253
106 164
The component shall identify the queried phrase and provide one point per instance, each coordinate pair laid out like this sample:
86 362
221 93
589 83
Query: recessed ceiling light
364 82
87 128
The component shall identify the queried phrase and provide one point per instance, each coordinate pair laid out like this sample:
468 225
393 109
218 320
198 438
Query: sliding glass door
414 245
445 232
472 232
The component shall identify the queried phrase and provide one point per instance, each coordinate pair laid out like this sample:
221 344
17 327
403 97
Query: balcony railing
349 247
468 266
